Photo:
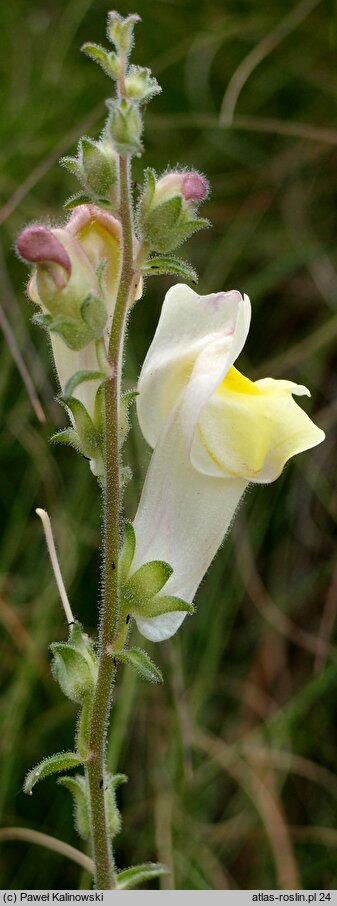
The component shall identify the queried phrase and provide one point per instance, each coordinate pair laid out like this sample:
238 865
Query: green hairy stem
109 621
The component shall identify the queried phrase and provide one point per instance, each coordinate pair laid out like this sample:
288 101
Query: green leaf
163 604
62 761
146 582
139 874
78 378
165 265
128 551
106 59
77 786
142 662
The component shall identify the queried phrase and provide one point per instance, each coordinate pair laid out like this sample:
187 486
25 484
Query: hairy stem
102 851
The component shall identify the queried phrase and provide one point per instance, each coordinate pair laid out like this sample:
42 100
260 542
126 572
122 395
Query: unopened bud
100 168
125 127
120 31
140 84
191 186
38 245
168 207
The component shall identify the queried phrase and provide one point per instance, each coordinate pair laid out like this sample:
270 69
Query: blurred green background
231 763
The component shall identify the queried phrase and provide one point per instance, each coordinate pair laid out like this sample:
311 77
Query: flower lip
195 187
85 214
38 244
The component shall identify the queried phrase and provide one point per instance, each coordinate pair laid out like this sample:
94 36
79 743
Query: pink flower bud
37 245
191 185
195 187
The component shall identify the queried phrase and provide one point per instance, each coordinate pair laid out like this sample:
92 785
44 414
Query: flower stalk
112 503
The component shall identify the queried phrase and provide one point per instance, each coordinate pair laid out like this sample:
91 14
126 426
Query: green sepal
89 436
99 411
68 437
165 265
99 167
120 31
146 582
139 874
159 227
125 126
55 764
112 781
75 665
73 165
115 780
124 421
147 195
73 671
107 59
83 727
94 315
140 84
78 788
75 200
127 553
79 378
163 604
142 662
185 230
76 332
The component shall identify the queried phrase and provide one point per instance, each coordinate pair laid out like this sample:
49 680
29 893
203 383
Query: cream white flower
213 431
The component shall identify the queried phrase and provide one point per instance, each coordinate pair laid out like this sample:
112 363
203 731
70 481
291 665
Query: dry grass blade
259 596
259 53
23 370
265 801
52 843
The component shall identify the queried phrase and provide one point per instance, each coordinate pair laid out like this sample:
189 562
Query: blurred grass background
231 763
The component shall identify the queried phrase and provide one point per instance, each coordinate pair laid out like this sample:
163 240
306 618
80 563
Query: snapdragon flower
213 432
73 264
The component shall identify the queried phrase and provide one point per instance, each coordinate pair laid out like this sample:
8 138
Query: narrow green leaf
165 265
78 378
105 58
163 604
63 761
139 874
147 581
142 662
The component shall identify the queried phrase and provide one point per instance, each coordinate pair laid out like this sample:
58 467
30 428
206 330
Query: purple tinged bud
37 244
195 187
